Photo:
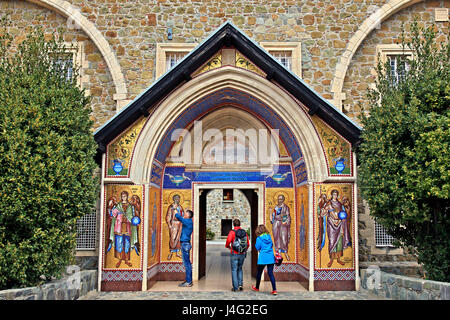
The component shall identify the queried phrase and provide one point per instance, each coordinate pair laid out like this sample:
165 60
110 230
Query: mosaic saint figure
322 221
174 226
348 210
281 226
136 202
302 231
123 220
337 228
153 229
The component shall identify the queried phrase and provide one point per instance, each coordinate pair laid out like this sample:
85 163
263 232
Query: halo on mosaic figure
173 194
278 193
338 189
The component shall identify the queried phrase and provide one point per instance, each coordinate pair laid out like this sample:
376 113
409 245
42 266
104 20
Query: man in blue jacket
185 241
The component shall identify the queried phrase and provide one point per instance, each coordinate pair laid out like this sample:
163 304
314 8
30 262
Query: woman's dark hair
236 222
260 230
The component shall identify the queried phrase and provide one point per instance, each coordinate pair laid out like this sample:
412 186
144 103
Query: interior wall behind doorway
218 209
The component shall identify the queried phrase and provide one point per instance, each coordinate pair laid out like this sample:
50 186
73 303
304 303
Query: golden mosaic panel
170 234
303 225
282 150
244 63
337 149
213 63
154 228
124 216
332 228
283 232
120 151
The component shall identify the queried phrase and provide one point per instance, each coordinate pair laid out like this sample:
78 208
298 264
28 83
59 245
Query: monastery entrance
234 203
228 116
229 138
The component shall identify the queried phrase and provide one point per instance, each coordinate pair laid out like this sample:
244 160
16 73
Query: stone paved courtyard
217 284
223 295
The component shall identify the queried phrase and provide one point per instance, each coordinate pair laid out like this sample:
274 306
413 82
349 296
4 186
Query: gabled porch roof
226 36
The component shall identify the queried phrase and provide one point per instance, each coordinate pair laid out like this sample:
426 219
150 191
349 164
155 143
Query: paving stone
224 295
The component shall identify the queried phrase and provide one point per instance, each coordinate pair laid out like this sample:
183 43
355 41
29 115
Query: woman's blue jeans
269 271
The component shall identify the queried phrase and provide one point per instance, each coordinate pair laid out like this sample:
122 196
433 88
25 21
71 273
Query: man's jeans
237 261
185 250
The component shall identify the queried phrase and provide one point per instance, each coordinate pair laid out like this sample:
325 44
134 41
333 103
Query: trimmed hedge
46 159
405 153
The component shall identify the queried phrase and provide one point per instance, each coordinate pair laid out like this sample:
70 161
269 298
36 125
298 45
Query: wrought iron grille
87 231
382 238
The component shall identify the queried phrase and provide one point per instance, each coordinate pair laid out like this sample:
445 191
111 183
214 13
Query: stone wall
88 261
403 288
216 210
133 28
96 77
361 73
384 257
64 289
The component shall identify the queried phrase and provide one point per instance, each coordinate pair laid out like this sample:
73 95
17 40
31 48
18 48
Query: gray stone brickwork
360 74
399 287
67 288
217 209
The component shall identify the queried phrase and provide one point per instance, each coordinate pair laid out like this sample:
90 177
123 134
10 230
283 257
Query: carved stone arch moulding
375 19
146 149
77 19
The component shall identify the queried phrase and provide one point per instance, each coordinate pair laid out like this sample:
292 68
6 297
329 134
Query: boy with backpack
238 243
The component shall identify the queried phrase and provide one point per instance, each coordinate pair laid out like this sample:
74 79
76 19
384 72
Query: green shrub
209 234
405 152
46 159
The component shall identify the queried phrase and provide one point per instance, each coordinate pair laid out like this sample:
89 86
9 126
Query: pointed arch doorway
137 146
261 182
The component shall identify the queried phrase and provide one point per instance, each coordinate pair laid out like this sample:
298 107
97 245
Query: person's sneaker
185 284
241 288
255 288
233 289
274 292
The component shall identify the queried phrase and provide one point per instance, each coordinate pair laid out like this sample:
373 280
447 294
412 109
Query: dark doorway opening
225 227
252 198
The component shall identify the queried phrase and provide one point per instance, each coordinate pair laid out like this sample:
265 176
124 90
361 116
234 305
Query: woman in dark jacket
266 257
